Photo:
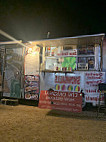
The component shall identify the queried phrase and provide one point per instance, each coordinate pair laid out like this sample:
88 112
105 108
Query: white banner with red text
91 81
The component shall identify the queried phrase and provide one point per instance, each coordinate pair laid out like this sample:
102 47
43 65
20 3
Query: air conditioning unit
82 66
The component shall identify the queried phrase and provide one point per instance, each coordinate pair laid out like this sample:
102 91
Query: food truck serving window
58 59
79 57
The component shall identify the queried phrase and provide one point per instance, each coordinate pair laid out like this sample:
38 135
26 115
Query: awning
77 40
10 42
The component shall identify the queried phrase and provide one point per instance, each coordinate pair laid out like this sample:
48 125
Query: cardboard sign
66 101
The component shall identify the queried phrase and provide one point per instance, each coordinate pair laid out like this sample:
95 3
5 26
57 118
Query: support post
22 72
3 75
101 52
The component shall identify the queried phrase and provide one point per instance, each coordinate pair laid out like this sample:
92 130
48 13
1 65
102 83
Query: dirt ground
31 124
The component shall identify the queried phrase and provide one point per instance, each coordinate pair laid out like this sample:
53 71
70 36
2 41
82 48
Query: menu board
31 86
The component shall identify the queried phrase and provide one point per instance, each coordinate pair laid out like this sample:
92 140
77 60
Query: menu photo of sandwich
31 96
27 96
27 89
31 88
32 78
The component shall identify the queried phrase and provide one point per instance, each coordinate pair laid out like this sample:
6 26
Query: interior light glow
33 53
30 50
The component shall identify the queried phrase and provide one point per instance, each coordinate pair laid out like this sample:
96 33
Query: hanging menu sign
31 86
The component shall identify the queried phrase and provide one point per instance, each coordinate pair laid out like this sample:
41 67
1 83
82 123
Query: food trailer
68 66
73 64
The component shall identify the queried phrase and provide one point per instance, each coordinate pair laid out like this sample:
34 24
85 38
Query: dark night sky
32 19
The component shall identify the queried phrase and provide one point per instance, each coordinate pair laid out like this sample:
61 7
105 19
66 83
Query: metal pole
101 52
3 75
39 75
22 73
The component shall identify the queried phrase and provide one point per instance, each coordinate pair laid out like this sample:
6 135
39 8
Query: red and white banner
66 101
66 53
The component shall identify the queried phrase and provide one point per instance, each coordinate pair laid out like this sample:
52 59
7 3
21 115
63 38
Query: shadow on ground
86 115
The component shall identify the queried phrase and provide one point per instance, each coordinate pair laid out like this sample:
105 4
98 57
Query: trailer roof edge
76 37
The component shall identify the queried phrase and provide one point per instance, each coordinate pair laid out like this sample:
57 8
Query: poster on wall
31 87
69 63
68 83
13 68
91 81
66 101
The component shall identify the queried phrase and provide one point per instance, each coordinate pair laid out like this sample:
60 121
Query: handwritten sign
67 83
66 101
92 79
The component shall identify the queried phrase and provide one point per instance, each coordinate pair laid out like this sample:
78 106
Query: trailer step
12 102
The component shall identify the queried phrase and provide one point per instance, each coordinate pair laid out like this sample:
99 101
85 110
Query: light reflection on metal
32 50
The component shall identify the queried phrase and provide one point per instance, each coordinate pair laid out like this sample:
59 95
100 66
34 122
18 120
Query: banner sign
92 79
31 86
66 101
67 83
66 53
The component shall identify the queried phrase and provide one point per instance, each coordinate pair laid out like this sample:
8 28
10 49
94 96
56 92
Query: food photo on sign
67 83
31 96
